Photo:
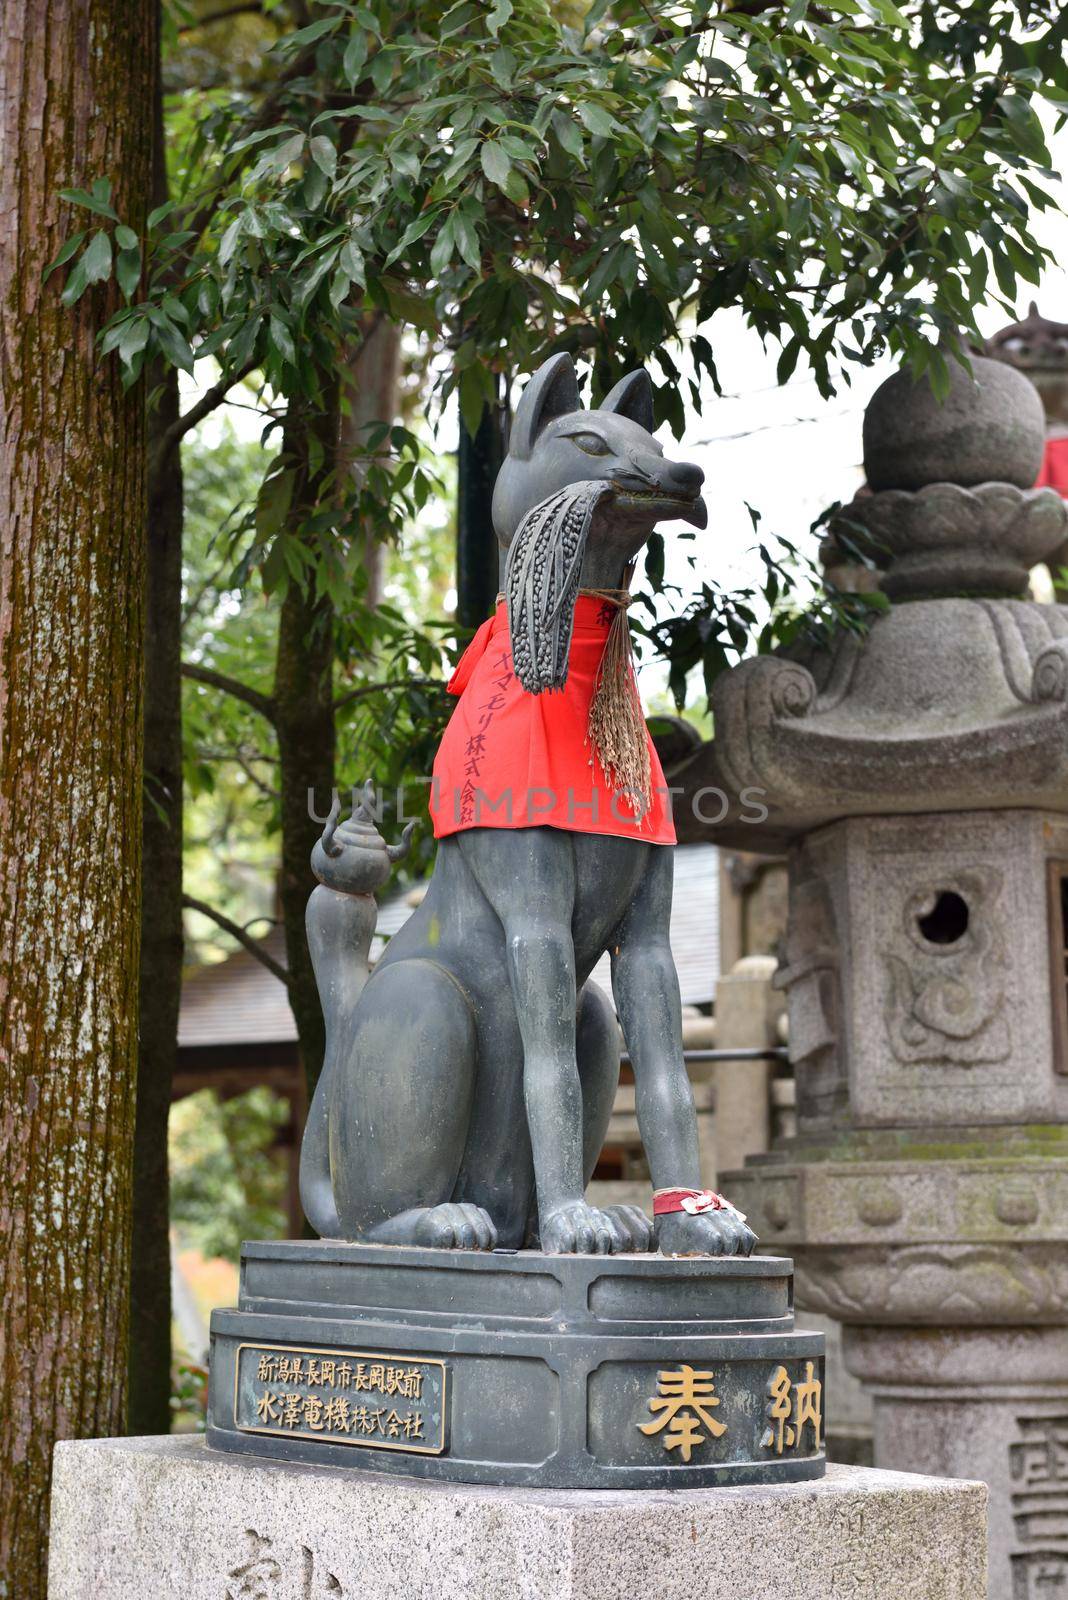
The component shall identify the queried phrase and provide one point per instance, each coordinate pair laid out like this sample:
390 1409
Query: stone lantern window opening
946 921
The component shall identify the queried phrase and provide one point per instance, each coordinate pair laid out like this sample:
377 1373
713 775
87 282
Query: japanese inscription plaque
566 1371
351 1397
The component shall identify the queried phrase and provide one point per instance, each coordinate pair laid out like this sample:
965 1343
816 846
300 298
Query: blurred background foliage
228 1181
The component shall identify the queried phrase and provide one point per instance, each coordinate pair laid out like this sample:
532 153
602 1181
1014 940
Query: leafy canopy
854 177
506 178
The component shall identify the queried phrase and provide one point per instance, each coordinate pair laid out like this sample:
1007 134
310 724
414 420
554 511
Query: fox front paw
711 1233
579 1229
632 1228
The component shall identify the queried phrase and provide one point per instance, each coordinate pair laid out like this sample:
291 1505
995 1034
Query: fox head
555 443
577 497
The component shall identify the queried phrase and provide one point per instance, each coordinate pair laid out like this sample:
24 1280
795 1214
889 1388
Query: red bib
510 759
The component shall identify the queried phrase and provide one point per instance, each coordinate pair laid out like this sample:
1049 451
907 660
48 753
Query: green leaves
508 178
97 200
273 501
495 163
171 341
884 11
96 262
354 57
568 133
324 155
282 339
276 161
92 266
64 254
127 261
818 170
459 17
599 121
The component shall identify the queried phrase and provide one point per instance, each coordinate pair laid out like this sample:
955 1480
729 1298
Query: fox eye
591 443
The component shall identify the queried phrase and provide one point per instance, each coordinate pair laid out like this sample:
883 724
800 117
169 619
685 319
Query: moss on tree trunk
76 94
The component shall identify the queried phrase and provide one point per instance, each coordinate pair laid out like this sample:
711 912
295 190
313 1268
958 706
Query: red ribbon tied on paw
694 1202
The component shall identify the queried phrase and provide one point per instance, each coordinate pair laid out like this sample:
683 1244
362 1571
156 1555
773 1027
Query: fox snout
681 480
656 480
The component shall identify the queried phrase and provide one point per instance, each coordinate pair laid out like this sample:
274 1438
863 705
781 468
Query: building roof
239 1002
236 1001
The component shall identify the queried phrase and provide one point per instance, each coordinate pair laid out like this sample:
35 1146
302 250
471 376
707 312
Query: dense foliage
509 177
501 180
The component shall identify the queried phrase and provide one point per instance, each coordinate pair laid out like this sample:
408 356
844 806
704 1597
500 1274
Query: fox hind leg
597 1055
400 1108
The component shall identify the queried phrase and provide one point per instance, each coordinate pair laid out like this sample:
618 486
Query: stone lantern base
947 1264
990 1403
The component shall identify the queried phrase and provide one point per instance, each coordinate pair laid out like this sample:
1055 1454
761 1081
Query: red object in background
510 759
1054 473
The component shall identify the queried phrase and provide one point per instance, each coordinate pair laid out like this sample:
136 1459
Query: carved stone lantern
917 776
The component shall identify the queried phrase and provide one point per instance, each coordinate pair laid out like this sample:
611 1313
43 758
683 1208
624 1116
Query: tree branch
209 401
245 763
235 931
247 7
254 778
384 688
231 686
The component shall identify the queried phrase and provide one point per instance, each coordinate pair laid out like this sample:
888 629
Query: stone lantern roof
957 697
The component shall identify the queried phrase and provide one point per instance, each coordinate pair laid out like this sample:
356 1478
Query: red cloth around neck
510 759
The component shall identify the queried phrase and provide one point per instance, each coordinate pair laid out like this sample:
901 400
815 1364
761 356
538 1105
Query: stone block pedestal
173 1519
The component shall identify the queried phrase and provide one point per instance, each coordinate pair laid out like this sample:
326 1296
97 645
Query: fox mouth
688 508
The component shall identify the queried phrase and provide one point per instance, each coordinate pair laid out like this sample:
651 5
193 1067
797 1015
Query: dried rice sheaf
541 587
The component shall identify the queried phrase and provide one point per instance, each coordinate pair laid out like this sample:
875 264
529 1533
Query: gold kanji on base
684 1400
790 1406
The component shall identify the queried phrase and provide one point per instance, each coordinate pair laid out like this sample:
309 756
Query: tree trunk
161 915
370 394
76 81
304 724
479 458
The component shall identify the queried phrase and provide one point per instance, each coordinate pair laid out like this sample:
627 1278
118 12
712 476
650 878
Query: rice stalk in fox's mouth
541 587
542 583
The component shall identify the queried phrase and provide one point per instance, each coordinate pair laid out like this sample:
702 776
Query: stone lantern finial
958 699
953 510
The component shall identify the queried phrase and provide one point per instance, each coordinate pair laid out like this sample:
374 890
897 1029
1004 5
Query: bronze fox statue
468 1087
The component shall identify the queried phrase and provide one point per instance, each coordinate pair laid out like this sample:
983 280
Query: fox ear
632 397
551 392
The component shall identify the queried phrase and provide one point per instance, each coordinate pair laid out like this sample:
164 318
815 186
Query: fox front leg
646 989
541 969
